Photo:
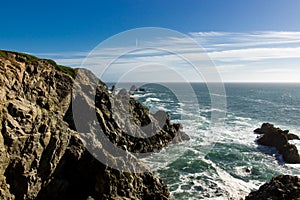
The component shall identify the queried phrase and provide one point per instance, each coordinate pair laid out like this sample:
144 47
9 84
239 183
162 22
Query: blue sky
247 40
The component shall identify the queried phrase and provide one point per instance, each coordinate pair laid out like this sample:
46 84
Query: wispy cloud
235 54
252 39
255 54
209 34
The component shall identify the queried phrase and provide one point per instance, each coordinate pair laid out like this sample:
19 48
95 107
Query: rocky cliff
47 153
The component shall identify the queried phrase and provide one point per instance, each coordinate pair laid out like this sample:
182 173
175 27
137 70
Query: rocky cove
45 130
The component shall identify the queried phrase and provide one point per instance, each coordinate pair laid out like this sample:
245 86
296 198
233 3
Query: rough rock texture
275 137
42 151
283 187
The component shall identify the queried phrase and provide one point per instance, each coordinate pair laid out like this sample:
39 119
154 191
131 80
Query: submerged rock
275 137
43 154
283 187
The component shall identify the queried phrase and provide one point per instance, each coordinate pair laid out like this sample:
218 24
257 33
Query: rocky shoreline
45 151
42 152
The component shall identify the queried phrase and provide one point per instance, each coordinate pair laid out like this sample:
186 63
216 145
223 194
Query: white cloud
209 34
255 54
276 70
235 54
253 39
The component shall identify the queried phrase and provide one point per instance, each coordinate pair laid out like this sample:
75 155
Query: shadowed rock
275 137
283 187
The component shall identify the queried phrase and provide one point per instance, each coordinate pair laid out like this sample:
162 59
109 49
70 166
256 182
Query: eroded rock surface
42 151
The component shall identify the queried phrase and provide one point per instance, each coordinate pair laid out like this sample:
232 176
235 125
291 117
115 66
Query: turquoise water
222 162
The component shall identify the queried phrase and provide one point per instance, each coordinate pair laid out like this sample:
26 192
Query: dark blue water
222 161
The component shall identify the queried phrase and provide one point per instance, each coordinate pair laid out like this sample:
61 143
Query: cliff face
42 151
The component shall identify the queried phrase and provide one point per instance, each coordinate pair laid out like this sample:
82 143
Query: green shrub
68 70
3 54
29 59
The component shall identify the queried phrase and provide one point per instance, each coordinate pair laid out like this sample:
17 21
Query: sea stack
275 137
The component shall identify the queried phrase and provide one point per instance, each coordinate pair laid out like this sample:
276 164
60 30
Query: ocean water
222 162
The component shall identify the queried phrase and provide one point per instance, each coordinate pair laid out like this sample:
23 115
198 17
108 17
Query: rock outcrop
43 151
283 187
275 137
134 90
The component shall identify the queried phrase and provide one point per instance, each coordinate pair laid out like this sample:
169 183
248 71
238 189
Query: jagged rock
133 88
292 136
279 188
142 132
275 137
113 89
142 89
42 152
123 93
258 131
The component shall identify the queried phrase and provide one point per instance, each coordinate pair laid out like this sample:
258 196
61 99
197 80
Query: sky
247 41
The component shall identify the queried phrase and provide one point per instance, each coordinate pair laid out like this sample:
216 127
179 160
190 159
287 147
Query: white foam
242 118
243 171
235 187
218 95
151 99
219 185
208 110
137 96
258 100
236 130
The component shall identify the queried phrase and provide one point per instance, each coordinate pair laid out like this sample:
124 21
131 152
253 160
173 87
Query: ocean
222 162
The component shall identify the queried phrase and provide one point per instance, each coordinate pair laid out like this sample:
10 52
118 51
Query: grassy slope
26 58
